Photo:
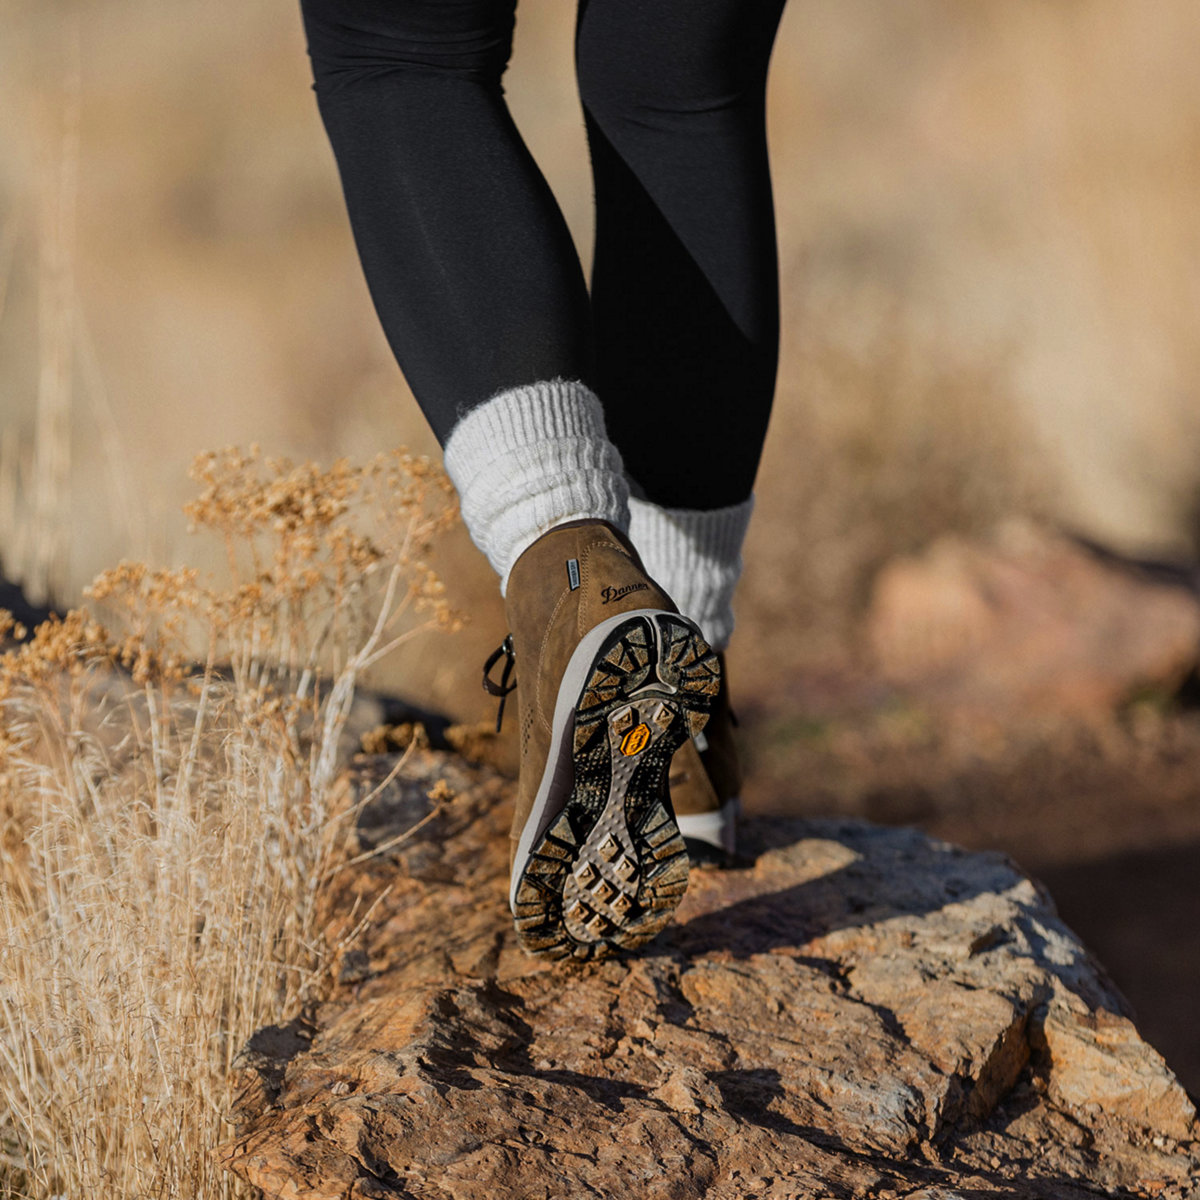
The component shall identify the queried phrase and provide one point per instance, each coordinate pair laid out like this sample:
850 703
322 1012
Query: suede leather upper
547 618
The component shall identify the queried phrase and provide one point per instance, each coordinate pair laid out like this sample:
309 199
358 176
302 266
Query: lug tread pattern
612 867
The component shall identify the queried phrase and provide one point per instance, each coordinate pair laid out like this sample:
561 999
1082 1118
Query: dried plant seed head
441 792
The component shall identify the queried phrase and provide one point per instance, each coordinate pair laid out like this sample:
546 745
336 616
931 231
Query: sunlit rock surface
856 1012
1030 622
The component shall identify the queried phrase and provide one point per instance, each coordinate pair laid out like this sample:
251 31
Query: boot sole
600 864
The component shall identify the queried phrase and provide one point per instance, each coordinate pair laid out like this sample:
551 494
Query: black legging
470 262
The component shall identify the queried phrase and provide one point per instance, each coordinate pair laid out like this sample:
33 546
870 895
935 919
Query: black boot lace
504 650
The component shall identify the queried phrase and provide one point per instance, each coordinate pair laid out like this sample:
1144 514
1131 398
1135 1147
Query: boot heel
611 868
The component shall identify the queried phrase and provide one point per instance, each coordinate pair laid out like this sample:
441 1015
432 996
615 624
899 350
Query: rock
856 1012
1028 621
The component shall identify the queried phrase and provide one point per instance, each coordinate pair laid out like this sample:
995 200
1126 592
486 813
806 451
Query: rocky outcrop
1030 621
854 1012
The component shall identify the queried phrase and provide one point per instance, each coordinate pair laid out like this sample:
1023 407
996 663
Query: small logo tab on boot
573 572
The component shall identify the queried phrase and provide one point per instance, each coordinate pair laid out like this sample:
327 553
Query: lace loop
503 688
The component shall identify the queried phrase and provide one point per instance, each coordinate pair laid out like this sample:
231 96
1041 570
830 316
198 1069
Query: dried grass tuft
165 828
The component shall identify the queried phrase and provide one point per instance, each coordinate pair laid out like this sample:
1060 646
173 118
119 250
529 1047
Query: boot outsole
610 868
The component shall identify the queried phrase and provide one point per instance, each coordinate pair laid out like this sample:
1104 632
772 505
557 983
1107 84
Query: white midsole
560 759
717 828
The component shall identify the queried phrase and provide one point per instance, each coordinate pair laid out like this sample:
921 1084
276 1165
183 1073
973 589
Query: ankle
696 556
531 460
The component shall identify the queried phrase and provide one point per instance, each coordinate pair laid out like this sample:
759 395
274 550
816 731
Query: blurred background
971 595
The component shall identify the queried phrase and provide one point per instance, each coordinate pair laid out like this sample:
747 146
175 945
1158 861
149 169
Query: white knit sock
531 458
696 556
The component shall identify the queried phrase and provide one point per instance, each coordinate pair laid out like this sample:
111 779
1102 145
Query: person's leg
685 309
468 258
478 287
684 285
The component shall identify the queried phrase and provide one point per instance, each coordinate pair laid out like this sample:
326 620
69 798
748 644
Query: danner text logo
609 594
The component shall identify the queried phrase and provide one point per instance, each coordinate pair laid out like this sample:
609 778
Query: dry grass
167 828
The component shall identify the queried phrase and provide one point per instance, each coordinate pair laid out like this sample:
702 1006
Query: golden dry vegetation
169 820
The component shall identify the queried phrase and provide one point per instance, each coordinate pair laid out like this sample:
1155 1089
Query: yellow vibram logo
634 742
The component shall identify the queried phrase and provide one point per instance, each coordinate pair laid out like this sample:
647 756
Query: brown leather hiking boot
612 682
706 784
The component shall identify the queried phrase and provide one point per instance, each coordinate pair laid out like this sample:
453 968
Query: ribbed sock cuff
532 458
696 556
